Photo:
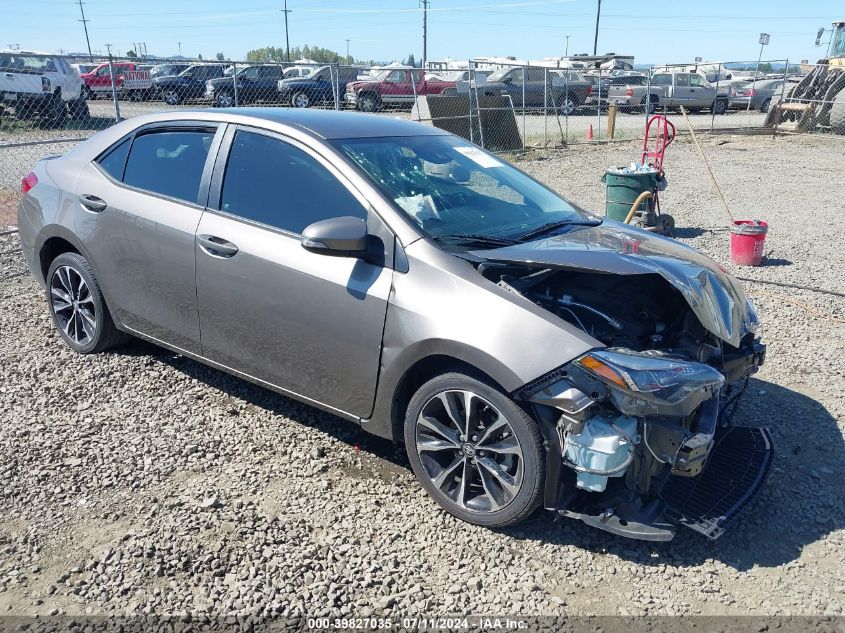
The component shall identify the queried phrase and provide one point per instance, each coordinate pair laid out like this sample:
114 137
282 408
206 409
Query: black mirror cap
342 236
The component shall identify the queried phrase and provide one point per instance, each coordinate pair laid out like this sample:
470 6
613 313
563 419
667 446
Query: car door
139 207
265 86
396 88
683 91
702 92
535 87
307 323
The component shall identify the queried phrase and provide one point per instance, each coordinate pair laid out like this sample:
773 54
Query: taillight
590 89
750 93
28 182
629 92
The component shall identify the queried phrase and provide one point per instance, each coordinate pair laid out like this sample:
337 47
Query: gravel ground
142 482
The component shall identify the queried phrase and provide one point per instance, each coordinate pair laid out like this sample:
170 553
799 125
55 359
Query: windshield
498 75
450 187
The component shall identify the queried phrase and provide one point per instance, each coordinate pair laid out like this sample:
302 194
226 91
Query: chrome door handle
217 246
92 203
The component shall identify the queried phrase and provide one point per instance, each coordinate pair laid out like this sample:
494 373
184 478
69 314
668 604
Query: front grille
736 469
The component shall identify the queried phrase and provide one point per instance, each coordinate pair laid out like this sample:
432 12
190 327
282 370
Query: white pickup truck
40 86
669 90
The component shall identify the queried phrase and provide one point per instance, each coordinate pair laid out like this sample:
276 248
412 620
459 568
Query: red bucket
747 239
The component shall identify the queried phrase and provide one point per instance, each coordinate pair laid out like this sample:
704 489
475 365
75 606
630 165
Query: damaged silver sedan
525 352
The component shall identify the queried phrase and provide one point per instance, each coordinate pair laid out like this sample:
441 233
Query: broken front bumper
736 469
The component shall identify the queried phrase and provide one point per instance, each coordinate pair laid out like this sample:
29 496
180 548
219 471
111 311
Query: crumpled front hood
716 298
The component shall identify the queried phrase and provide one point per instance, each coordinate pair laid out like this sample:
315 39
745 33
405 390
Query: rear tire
55 112
171 97
720 106
486 465
224 100
78 109
764 107
837 114
78 308
567 105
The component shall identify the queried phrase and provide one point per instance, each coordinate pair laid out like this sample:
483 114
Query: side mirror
342 237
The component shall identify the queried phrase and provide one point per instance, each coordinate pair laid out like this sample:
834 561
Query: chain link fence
49 102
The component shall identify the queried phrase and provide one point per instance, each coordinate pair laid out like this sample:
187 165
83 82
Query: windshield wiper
475 239
543 229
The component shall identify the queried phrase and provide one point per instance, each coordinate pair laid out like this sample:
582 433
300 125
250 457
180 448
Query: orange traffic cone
590 132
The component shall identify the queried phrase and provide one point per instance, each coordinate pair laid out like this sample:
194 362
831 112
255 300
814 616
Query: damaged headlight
650 382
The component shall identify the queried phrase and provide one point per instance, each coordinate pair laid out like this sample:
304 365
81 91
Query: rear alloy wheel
224 100
474 450
720 106
172 97
300 100
77 306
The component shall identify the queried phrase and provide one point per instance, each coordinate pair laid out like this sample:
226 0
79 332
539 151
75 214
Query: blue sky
654 32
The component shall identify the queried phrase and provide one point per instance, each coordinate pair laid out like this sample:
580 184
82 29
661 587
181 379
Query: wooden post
611 120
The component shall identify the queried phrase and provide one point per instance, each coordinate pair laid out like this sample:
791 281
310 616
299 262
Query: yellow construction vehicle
818 100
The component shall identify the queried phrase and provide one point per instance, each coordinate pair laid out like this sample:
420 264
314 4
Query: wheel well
416 376
52 248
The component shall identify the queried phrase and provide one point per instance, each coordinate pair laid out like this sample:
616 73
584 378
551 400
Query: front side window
450 187
698 81
396 77
249 73
169 162
272 182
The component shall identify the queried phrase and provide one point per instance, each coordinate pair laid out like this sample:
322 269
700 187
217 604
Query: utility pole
85 26
596 38
425 32
764 39
180 48
567 46
347 52
145 49
287 39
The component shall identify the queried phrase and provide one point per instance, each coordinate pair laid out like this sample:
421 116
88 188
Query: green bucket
623 189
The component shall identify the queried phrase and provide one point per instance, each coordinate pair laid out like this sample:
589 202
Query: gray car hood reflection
715 297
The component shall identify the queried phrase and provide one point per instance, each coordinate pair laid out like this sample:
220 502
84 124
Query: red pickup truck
393 87
129 80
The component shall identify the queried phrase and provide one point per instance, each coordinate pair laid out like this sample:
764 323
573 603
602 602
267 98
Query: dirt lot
143 482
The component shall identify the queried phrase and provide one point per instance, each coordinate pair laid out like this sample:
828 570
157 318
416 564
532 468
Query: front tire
476 452
224 100
78 308
300 100
368 103
172 97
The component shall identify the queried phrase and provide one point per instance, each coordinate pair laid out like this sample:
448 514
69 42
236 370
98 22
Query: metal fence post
524 79
235 81
647 104
471 77
545 107
713 105
414 88
782 97
598 110
114 91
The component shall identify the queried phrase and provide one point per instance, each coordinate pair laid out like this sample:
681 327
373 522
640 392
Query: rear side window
169 162
274 183
114 160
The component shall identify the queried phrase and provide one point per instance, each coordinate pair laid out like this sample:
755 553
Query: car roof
326 124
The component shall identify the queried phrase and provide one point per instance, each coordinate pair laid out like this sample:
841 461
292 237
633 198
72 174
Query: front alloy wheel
301 100
474 450
224 100
172 97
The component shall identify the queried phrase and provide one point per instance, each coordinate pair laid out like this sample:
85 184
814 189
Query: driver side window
396 77
272 182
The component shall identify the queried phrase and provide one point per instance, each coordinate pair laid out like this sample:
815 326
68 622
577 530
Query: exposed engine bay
636 423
